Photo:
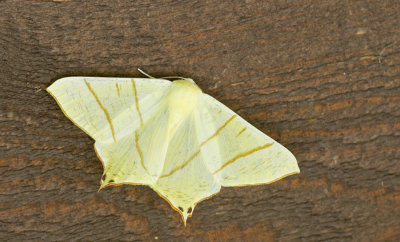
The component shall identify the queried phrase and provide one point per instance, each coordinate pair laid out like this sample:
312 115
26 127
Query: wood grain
320 77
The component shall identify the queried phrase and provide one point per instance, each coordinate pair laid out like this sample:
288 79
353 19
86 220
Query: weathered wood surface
321 77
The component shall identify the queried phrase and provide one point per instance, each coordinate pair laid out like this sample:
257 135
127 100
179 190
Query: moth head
186 82
189 80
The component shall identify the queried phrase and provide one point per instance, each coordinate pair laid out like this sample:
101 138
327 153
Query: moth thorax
182 100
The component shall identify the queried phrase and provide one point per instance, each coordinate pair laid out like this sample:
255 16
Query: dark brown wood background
320 77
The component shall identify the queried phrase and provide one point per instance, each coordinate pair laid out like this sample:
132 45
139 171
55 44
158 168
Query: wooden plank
321 77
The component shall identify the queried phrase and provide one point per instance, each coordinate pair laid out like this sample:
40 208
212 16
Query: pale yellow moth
171 136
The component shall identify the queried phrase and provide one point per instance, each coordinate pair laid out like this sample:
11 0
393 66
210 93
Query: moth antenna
171 77
144 73
166 77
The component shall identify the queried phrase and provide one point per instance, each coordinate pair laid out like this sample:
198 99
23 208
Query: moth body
182 99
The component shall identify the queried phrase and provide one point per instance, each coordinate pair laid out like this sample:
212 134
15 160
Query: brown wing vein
241 131
102 108
140 153
241 156
116 85
137 102
198 151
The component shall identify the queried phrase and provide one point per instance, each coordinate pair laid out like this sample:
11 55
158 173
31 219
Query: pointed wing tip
185 216
101 187
57 83
184 222
297 169
49 89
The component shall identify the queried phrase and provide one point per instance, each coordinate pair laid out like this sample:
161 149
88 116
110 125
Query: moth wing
107 109
185 179
240 154
137 158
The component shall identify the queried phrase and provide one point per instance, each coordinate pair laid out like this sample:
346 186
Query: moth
171 136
